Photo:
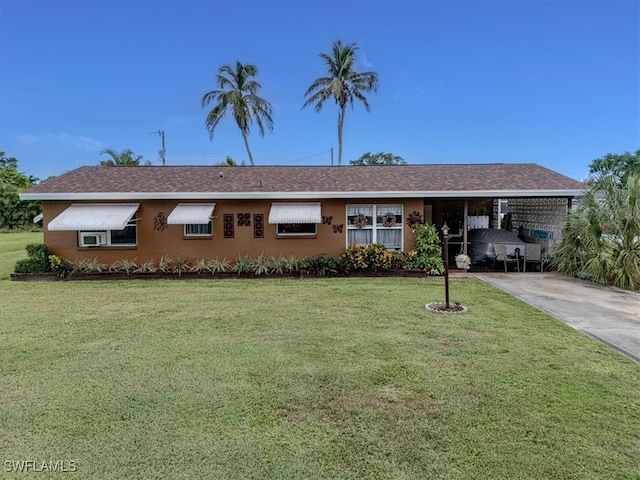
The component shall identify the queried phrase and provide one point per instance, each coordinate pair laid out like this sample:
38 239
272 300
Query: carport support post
466 226
445 235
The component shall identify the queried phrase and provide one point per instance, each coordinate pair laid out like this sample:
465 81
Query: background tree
343 83
126 158
229 162
7 161
238 96
602 238
620 166
15 213
378 159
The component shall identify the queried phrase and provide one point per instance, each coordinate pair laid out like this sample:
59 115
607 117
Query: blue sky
549 82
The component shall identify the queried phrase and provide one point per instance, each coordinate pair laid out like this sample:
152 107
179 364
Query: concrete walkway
607 314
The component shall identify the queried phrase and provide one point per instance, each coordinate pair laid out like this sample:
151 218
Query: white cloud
80 142
366 62
26 138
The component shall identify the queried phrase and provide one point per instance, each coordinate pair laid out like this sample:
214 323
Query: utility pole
332 156
163 151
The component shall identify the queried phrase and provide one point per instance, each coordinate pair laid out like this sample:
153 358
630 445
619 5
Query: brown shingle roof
272 180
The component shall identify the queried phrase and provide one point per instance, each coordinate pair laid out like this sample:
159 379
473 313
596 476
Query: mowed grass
12 249
315 378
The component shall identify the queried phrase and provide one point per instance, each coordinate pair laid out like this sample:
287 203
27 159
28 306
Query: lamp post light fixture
445 235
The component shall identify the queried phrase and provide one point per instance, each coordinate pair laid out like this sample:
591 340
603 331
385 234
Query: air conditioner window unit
93 239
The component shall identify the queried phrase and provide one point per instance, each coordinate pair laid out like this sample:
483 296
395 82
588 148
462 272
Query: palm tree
343 84
126 158
238 96
602 238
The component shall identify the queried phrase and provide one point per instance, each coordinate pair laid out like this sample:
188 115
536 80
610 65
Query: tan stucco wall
153 244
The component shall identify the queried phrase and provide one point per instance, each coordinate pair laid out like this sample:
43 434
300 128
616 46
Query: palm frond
237 95
343 83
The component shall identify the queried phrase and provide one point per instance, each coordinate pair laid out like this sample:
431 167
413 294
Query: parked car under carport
481 242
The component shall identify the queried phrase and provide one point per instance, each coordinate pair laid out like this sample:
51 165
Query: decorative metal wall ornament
227 221
160 222
244 219
338 228
327 220
258 225
415 217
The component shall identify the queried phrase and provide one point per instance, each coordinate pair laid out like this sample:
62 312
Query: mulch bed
442 308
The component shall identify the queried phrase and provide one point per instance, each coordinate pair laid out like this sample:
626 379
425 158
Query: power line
307 157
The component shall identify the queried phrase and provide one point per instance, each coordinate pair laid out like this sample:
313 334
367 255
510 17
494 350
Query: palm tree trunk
340 125
246 144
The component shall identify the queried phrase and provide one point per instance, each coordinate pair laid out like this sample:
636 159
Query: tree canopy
237 95
343 83
15 213
229 162
620 166
126 158
379 158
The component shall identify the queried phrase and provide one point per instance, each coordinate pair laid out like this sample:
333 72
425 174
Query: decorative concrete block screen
539 217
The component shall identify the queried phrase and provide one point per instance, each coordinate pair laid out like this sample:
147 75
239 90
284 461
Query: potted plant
463 261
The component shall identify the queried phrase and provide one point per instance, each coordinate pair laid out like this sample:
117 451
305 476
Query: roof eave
300 195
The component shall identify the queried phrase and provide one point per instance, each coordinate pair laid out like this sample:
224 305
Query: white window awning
191 213
295 213
94 216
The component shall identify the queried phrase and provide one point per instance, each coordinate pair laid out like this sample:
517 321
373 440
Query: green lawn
12 249
315 378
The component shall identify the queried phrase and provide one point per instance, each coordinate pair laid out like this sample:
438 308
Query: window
295 219
197 229
128 237
296 229
367 224
195 219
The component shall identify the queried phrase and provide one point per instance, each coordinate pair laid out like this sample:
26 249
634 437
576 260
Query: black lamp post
445 234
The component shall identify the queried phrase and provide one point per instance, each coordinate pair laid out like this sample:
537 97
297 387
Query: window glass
388 215
360 216
296 229
387 228
197 229
126 236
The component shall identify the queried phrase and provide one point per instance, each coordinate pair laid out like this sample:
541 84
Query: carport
535 216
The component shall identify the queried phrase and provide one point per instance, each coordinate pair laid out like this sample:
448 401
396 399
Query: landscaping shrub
38 251
243 264
31 265
372 257
181 266
262 266
85 265
124 265
146 267
37 261
166 264
219 266
59 266
427 252
321 265
601 239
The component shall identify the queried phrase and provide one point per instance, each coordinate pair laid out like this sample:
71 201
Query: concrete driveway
607 314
